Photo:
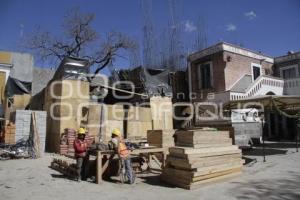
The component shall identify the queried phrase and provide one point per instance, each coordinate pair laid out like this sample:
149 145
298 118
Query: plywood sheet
136 113
188 150
161 138
138 129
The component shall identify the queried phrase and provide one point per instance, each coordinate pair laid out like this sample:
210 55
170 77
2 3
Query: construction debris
210 156
68 168
15 151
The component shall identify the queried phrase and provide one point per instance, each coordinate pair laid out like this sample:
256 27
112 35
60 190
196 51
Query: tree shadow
282 145
271 189
260 152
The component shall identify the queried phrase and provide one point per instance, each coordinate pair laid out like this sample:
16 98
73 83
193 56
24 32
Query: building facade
287 67
225 72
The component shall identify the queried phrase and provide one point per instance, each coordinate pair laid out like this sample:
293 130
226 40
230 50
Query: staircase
263 85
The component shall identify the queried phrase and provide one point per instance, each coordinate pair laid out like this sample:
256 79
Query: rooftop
223 46
288 57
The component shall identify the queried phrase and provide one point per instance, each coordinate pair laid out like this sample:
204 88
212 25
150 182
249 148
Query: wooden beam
99 168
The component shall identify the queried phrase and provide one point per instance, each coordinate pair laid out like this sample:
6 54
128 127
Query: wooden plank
203 140
161 138
138 129
188 150
210 139
150 150
171 181
204 145
36 137
200 162
190 180
202 155
202 133
204 170
99 168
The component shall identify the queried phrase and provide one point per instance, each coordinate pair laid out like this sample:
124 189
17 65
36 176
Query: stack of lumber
161 138
206 137
162 112
67 142
10 134
206 156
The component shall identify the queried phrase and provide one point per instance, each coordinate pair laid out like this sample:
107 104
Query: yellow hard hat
116 132
81 131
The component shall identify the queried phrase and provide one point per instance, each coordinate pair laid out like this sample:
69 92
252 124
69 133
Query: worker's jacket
80 148
121 148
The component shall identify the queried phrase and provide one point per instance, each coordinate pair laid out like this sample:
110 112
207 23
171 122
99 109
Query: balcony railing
263 85
292 86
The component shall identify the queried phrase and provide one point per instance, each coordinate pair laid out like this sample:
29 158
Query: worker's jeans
79 164
128 168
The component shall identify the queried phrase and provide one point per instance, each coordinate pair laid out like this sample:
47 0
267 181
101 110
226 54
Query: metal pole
297 132
263 137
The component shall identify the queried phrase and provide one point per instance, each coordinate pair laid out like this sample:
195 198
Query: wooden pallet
198 184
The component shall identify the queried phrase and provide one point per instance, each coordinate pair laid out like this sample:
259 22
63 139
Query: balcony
291 86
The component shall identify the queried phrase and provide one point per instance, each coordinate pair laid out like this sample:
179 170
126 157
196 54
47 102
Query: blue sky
270 26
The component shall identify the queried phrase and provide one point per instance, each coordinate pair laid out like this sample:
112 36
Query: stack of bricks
71 136
67 142
10 134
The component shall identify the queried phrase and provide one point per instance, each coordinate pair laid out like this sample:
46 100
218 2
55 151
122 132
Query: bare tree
79 39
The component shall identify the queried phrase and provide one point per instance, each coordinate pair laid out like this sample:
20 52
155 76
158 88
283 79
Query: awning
287 104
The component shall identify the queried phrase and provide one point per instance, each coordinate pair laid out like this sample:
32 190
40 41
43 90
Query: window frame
252 70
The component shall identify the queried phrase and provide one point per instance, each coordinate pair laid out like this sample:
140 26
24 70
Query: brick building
225 72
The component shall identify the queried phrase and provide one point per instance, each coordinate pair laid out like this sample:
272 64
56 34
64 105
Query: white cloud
231 27
189 26
250 15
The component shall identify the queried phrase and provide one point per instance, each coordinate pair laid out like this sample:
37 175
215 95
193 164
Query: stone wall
23 122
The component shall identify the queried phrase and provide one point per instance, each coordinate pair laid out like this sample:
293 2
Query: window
256 71
205 76
289 73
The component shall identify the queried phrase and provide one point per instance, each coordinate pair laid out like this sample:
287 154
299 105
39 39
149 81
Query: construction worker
123 152
80 147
